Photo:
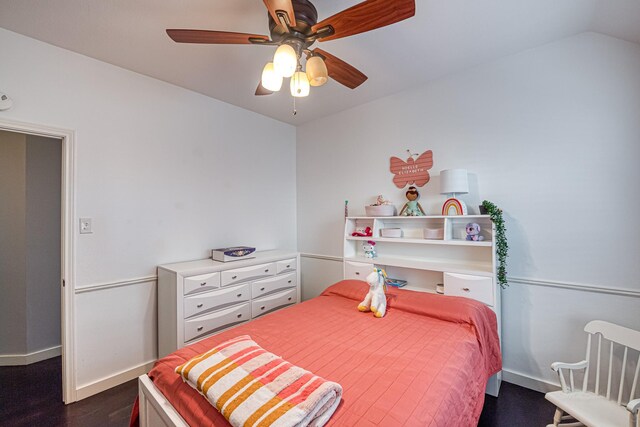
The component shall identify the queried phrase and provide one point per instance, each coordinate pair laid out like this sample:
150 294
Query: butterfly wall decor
413 171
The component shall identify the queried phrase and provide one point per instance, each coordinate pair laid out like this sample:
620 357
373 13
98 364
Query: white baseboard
96 387
526 381
29 358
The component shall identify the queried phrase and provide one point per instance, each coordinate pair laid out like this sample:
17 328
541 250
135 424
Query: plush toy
369 248
376 300
473 232
381 201
363 232
412 207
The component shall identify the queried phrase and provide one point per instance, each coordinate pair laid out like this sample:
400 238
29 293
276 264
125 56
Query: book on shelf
396 283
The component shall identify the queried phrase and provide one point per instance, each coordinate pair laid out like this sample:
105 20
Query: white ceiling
445 36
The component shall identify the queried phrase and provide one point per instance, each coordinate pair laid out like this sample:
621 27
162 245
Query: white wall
551 135
165 173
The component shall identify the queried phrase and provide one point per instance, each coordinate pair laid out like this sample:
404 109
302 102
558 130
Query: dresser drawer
209 301
201 283
273 284
463 285
357 270
286 265
238 275
272 302
201 326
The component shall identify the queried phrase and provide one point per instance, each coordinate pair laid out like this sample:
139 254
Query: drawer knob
288 266
266 270
289 298
289 281
239 315
239 295
357 273
262 308
199 306
203 283
200 328
234 277
261 289
466 289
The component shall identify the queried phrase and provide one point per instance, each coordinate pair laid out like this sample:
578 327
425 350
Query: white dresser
197 299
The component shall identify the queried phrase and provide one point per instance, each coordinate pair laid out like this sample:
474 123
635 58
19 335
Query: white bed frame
155 409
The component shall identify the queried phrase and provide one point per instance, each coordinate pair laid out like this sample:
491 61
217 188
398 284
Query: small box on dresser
197 299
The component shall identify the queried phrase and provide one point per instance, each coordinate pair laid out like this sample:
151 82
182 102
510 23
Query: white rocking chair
580 407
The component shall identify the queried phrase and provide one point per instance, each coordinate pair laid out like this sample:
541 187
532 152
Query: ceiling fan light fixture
271 80
285 60
300 85
317 71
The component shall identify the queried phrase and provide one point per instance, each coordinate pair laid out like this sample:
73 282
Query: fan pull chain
295 111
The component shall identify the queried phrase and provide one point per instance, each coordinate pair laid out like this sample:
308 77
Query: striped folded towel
252 387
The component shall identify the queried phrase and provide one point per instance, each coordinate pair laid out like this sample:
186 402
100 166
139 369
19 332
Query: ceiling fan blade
281 5
366 16
261 90
213 37
340 71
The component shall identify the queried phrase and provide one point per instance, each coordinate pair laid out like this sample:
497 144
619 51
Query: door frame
67 263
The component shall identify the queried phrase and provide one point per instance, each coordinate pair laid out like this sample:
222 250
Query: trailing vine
502 248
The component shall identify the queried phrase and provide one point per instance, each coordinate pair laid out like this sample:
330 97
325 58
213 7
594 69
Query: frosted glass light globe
271 80
317 71
285 60
300 85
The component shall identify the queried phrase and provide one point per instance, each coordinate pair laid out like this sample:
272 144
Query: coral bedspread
426 363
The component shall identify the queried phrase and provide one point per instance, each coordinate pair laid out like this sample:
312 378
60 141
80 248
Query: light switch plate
85 226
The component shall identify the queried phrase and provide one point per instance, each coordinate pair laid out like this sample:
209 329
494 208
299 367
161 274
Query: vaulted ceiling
444 37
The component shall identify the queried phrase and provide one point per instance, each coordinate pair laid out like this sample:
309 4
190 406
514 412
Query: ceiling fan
294 28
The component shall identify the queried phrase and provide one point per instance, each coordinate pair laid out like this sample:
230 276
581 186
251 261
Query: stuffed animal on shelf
369 248
473 232
363 232
412 207
375 300
381 201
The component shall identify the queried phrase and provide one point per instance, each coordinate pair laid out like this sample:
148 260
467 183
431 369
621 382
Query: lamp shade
300 85
270 79
285 60
317 71
454 181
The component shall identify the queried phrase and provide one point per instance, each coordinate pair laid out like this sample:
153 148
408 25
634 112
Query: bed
426 363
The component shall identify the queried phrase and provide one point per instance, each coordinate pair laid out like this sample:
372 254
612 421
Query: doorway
30 177
36 243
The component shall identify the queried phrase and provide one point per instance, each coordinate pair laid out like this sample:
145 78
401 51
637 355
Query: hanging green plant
502 248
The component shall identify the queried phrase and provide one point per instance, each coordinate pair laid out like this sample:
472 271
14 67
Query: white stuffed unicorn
376 300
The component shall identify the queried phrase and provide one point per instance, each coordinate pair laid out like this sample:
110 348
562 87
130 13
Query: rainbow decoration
454 206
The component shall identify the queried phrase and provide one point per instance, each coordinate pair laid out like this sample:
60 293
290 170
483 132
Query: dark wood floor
31 396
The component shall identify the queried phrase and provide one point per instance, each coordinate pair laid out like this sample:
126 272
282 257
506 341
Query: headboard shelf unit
466 268
412 227
412 250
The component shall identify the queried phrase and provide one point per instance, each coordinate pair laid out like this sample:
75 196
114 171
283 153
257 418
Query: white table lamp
452 182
